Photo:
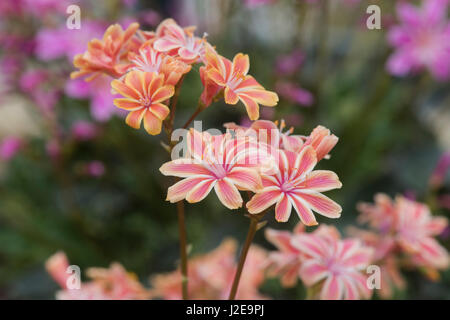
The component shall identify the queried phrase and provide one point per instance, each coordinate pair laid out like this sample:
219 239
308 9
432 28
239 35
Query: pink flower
84 130
295 94
9 147
416 229
438 175
335 265
256 3
322 141
95 169
421 39
290 63
114 283
297 185
210 275
221 162
286 261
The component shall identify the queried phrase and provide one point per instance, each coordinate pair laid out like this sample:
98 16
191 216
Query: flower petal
152 123
184 168
283 209
180 189
245 178
228 194
163 94
320 203
230 96
312 272
134 118
332 289
264 199
304 212
322 180
124 90
241 64
127 104
251 106
306 160
199 192
160 110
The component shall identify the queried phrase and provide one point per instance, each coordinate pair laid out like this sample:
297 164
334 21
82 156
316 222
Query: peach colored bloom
322 141
113 283
231 76
150 60
179 42
334 265
210 275
221 162
297 185
144 93
106 55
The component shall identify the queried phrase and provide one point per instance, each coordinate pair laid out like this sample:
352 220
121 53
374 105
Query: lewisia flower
286 261
107 284
221 162
322 141
179 42
144 93
210 275
150 60
106 55
231 76
335 266
421 39
297 185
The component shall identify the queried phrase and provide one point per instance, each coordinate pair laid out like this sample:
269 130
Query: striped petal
134 118
241 64
283 209
264 97
124 90
152 123
166 44
306 160
322 180
217 77
332 289
312 272
245 178
199 192
321 204
127 104
304 212
250 105
160 110
230 96
264 200
228 194
184 168
163 94
180 189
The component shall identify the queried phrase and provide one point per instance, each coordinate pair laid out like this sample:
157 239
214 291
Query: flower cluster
210 275
114 283
403 235
148 65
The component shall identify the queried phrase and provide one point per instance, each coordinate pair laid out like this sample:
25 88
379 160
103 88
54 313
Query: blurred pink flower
257 3
114 283
211 275
438 176
294 93
84 130
32 79
40 8
9 147
334 265
95 169
289 63
98 91
421 39
63 42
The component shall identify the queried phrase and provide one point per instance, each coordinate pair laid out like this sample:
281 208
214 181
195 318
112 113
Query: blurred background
74 177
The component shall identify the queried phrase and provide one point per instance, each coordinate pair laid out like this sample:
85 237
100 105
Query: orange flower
144 93
150 60
106 55
237 85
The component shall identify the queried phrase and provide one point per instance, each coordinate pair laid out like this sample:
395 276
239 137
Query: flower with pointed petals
421 39
297 185
322 141
150 60
179 42
334 265
416 228
285 262
232 77
144 93
221 162
106 55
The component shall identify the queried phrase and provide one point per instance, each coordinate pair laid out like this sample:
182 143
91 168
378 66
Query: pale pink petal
199 192
180 189
304 212
306 160
312 271
263 199
245 178
320 203
332 289
322 180
228 194
184 168
283 209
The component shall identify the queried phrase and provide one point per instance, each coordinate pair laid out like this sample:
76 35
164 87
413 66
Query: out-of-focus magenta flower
84 130
32 79
53 149
257 3
289 63
9 147
98 91
95 169
40 8
421 39
64 42
438 175
294 93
